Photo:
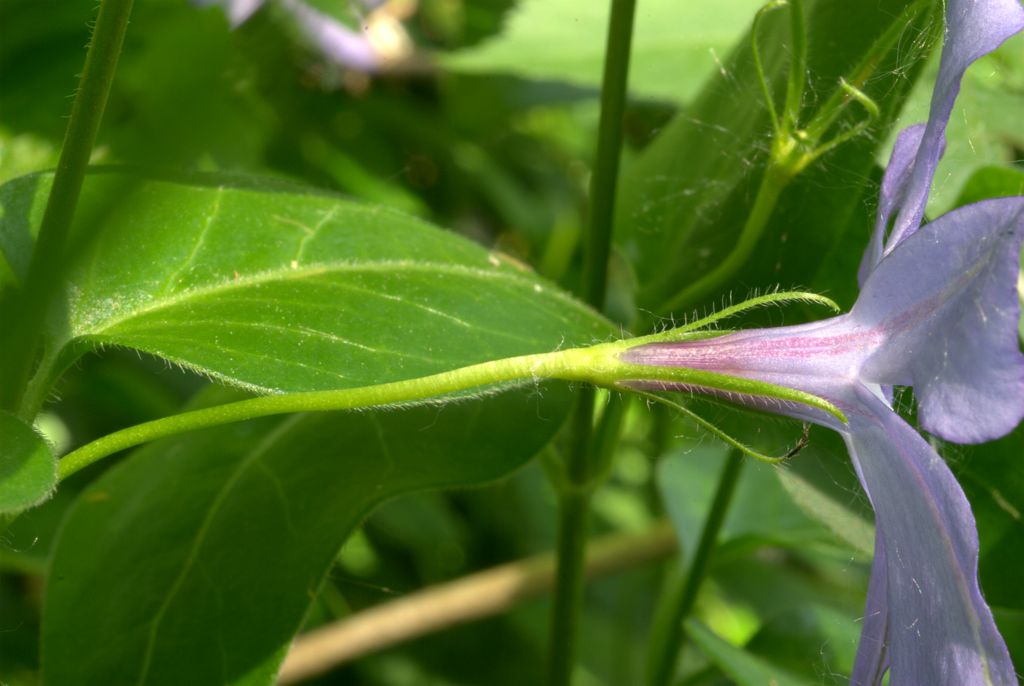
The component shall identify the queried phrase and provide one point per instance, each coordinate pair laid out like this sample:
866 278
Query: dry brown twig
469 598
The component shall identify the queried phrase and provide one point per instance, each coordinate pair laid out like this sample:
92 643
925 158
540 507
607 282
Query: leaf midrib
300 273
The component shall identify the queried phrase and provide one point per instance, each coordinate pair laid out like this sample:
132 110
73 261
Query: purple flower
938 311
380 41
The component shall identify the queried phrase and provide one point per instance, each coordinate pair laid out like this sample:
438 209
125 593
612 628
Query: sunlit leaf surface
675 46
278 290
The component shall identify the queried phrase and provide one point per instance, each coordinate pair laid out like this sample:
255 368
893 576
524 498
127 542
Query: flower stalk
600 365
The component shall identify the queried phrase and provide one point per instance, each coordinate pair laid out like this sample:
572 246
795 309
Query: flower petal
873 651
947 312
334 40
940 631
892 195
821 358
238 11
973 28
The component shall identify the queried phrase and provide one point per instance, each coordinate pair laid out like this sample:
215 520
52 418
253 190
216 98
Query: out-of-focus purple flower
938 311
237 11
335 41
379 42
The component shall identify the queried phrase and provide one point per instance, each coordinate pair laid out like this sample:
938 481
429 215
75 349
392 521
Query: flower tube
938 311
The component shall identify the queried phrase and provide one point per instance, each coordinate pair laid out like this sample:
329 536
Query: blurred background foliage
489 131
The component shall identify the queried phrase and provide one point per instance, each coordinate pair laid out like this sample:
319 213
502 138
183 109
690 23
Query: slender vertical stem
590 458
609 146
667 640
827 114
567 602
20 344
797 65
755 50
583 460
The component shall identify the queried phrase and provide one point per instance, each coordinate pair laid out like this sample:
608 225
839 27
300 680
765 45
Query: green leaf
741 667
674 44
275 289
762 511
28 468
194 561
991 182
684 200
843 522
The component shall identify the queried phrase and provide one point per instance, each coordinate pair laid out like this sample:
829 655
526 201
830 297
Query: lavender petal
940 631
973 28
946 311
336 42
872 653
891 196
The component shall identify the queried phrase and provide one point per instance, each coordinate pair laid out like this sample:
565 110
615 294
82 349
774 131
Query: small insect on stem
803 442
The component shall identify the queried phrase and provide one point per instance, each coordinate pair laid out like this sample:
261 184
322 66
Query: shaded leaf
808 636
991 182
741 667
195 560
843 522
28 469
683 202
762 513
796 505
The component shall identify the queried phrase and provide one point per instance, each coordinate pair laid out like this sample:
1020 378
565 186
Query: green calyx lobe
622 373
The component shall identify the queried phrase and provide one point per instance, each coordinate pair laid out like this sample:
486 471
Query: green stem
595 454
574 503
570 550
609 147
43 280
667 641
827 114
797 66
762 79
599 365
546 365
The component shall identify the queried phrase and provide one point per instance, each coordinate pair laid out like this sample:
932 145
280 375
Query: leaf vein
204 529
311 271
198 244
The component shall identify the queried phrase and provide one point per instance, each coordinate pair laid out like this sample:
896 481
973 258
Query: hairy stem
599 365
18 347
411 390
